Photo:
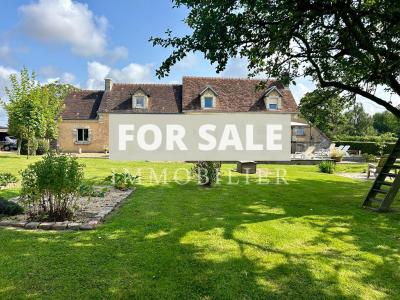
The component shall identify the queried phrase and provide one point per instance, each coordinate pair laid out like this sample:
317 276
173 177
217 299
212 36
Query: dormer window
273 99
139 100
273 106
208 102
208 98
273 103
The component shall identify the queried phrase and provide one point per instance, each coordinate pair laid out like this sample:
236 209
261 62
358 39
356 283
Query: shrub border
68 225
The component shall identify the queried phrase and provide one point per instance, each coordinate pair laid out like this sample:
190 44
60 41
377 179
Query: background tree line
338 115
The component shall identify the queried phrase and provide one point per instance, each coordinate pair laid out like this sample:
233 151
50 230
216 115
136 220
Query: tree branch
339 85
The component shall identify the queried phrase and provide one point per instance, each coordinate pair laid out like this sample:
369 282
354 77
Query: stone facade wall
312 137
98 135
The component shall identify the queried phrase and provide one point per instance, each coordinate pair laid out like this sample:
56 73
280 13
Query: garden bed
92 212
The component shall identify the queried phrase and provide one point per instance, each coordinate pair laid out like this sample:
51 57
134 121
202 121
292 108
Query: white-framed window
82 135
273 106
139 101
208 102
208 98
299 131
273 103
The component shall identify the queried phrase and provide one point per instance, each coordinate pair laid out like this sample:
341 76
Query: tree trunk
19 142
28 150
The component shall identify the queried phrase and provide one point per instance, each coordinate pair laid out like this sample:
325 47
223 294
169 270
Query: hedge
388 138
366 147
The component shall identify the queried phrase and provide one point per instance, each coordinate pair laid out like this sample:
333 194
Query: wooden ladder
386 185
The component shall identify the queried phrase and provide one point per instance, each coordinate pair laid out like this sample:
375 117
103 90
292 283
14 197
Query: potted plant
337 155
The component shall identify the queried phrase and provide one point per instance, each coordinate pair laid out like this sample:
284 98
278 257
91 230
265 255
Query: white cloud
118 53
189 61
96 74
49 71
132 73
67 78
6 72
303 86
64 78
236 67
52 73
66 21
5 52
371 107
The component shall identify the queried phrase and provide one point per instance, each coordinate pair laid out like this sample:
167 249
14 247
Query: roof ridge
157 84
86 90
230 78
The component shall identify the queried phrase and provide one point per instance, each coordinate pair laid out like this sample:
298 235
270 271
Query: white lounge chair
308 154
324 153
340 148
345 149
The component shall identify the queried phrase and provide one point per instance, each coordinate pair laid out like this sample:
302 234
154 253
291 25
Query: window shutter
75 134
89 134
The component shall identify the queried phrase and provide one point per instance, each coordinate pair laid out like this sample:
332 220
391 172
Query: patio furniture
331 147
324 153
345 149
246 167
340 148
376 168
308 154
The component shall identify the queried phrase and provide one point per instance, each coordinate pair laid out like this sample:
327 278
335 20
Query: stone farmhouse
84 126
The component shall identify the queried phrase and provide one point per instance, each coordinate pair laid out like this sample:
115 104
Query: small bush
88 190
327 167
122 181
370 157
206 172
50 187
10 208
43 147
33 147
7 178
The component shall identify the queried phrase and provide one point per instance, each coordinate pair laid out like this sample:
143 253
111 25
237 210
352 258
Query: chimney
108 84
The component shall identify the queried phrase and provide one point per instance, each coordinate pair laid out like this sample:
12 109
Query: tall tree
25 116
385 122
34 111
359 122
324 109
53 96
351 45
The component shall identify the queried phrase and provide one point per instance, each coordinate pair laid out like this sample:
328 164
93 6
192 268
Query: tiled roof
234 95
82 105
163 98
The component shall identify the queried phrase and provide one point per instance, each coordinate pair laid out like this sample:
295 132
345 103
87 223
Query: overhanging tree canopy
349 45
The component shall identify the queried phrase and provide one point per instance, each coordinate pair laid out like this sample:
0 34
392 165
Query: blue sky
81 42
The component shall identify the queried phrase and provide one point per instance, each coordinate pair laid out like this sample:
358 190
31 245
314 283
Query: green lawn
307 239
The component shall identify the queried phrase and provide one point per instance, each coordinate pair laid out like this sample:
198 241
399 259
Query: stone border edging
67 225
